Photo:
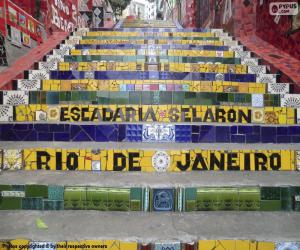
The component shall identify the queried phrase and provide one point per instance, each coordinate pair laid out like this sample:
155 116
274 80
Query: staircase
216 134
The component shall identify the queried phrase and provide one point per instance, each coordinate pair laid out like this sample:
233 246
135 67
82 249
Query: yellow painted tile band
155 161
115 85
155 113
142 41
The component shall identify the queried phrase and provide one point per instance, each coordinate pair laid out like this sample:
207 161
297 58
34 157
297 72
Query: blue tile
222 134
90 130
82 136
32 136
268 134
284 139
207 136
61 137
42 127
294 130
233 129
163 200
56 127
251 138
282 130
238 138
245 129
296 139
45 136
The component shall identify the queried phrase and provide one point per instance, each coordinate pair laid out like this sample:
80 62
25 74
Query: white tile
40 245
243 54
220 77
257 100
61 52
25 84
48 66
54 58
236 48
249 61
259 69
230 43
6 113
290 100
161 161
287 246
38 75
298 160
298 116
40 115
266 78
15 98
278 88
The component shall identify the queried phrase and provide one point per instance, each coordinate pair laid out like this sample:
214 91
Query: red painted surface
16 71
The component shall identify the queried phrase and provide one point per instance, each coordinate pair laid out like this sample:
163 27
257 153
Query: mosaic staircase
150 97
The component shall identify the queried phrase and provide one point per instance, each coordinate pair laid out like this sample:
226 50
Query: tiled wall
54 197
150 160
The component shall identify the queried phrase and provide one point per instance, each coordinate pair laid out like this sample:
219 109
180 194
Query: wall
277 31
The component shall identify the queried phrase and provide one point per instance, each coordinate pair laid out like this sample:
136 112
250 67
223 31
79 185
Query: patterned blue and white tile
290 100
15 98
287 246
27 85
158 133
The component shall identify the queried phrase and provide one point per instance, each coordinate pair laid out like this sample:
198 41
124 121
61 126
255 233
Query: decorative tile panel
6 113
12 159
278 88
38 75
287 246
14 98
163 200
158 133
290 100
266 78
27 85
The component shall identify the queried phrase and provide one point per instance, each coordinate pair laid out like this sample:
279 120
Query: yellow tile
266 246
19 244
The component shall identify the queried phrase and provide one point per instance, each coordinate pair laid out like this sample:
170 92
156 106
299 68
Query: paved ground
183 179
80 225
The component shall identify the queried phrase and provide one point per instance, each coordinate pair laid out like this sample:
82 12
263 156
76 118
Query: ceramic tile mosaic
289 100
163 200
158 133
38 75
162 113
48 66
27 85
151 160
15 98
134 133
279 88
234 245
12 159
287 245
6 113
168 246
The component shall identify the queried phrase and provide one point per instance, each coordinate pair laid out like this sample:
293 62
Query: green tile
103 97
287 198
228 198
207 199
147 98
32 191
52 97
270 205
178 97
249 199
165 97
32 203
43 97
119 199
270 193
75 198
121 97
53 205
135 97
55 192
6 188
10 203
190 199
97 198
34 97
190 98
136 199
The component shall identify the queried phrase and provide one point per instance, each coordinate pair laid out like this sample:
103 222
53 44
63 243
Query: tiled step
91 156
150 113
145 227
150 133
153 85
148 198
152 97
